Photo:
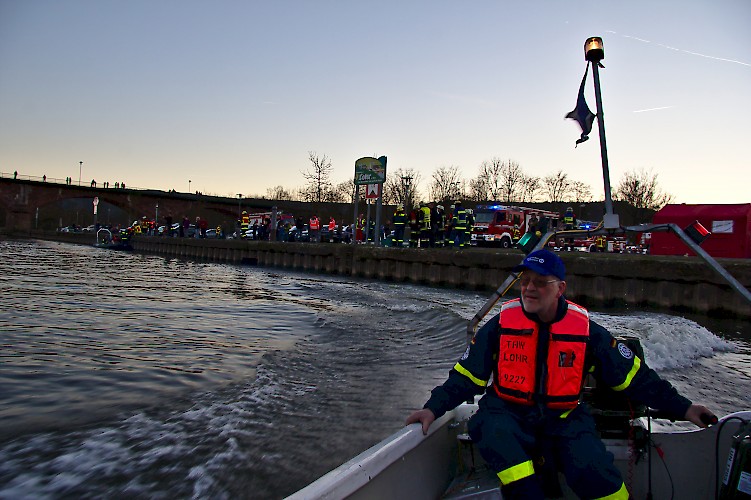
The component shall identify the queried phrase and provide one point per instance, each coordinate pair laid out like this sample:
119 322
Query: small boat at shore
104 239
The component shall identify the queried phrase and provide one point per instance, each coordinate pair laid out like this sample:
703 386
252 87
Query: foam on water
669 342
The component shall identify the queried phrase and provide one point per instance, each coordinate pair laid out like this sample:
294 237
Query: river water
127 375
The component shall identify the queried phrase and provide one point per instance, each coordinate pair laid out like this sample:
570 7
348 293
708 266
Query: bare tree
529 188
318 188
488 183
447 183
278 193
557 186
401 187
639 189
342 192
512 179
580 192
478 189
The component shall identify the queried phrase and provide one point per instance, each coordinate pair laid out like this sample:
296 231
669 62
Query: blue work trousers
509 435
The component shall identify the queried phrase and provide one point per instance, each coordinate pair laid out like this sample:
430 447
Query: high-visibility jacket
315 224
568 219
610 362
520 378
332 225
460 218
425 217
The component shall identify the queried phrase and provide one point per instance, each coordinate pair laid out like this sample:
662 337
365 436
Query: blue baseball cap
545 263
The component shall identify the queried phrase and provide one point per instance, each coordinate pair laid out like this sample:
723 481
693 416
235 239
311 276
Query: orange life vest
516 376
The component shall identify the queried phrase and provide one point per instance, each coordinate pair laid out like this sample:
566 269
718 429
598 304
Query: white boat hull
408 465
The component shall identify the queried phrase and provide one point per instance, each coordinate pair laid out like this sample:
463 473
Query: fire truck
503 225
601 243
260 217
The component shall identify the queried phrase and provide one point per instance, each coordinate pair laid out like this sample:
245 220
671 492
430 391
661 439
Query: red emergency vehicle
260 217
503 225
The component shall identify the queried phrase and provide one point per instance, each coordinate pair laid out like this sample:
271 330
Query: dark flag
581 113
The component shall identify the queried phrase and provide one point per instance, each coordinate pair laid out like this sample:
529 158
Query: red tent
730 226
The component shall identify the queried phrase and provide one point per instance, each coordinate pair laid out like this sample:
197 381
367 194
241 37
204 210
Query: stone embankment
678 284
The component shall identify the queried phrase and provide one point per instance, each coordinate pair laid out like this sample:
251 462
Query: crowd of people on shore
428 225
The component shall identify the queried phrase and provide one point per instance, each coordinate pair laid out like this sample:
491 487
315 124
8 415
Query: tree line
496 180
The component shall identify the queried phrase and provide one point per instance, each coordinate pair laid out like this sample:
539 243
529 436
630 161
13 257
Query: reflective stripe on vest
517 472
621 494
515 378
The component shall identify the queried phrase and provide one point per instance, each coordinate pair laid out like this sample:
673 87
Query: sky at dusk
232 95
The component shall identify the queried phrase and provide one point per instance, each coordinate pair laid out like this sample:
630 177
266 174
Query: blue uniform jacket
611 362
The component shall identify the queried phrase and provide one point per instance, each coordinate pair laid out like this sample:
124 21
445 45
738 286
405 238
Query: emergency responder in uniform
371 231
414 228
600 243
460 224
439 226
315 229
517 233
359 229
532 224
125 235
450 223
569 222
425 227
468 226
400 220
531 402
332 229
244 224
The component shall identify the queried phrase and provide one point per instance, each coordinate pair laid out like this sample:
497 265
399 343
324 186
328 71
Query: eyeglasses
538 282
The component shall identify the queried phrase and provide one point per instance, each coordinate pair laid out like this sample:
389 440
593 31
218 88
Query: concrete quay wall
679 284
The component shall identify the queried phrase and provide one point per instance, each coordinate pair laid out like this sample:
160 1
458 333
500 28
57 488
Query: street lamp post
594 53
407 180
239 207
156 215
188 185
80 167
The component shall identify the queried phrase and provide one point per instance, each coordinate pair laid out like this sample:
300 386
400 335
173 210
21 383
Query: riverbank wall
676 284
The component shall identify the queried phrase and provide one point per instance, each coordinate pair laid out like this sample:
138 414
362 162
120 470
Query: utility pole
407 183
80 167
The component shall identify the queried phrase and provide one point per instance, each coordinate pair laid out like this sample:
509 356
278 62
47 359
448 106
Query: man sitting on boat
538 350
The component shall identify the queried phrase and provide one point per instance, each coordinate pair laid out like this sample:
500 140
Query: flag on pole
581 113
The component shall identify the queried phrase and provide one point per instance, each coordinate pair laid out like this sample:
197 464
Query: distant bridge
24 198
21 199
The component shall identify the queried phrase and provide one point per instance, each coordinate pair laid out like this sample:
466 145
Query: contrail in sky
651 109
683 50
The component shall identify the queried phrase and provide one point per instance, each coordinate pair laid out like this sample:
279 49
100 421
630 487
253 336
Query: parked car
299 235
326 238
